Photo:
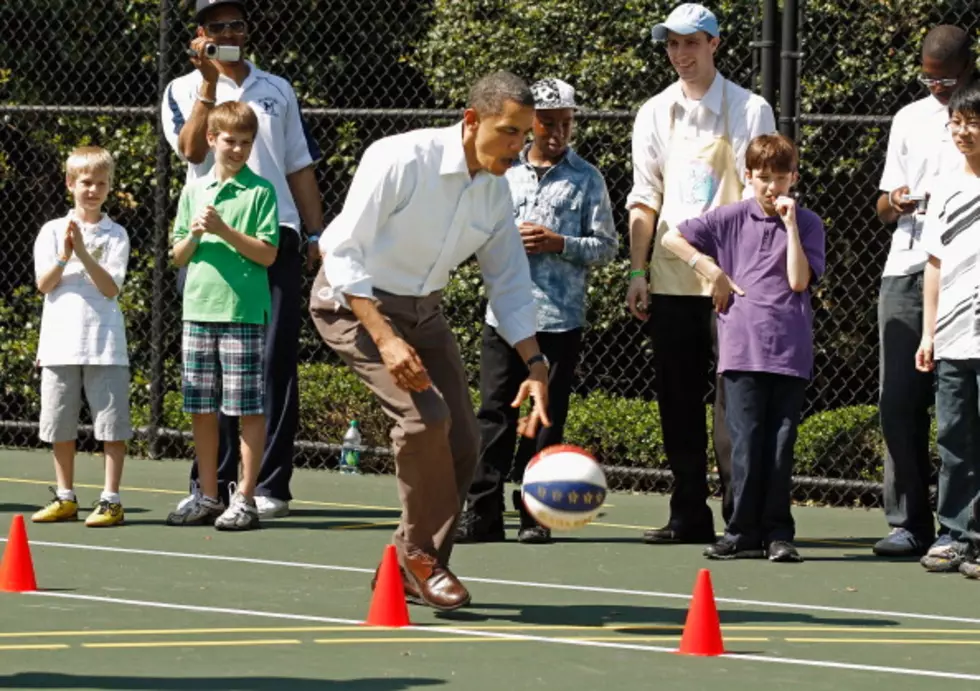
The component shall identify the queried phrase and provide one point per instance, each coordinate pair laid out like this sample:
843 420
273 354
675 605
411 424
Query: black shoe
668 535
480 526
530 532
729 549
782 551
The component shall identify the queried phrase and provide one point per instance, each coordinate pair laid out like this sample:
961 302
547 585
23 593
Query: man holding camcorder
284 154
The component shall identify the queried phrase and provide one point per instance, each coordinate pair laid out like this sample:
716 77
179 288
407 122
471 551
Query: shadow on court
620 615
50 680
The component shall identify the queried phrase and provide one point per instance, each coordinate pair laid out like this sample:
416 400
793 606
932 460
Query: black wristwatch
540 357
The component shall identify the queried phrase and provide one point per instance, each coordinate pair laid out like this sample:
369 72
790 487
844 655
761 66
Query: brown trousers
435 437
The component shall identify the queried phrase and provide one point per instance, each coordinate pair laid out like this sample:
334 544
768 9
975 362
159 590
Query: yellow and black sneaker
58 510
106 514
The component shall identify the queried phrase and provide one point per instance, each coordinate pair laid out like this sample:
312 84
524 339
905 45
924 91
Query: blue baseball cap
686 19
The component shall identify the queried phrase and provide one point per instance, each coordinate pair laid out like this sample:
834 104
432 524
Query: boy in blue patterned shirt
565 219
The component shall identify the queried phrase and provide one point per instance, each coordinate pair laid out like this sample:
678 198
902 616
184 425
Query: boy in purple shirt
761 256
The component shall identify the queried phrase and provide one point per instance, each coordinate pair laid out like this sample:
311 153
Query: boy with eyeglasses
920 150
951 341
284 154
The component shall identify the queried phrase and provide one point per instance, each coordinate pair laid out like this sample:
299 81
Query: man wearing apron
689 145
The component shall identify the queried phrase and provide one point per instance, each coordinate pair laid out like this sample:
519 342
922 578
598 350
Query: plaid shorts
223 368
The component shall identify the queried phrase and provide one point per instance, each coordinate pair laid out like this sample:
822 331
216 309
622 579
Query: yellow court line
50 646
339 505
193 644
360 526
177 632
886 641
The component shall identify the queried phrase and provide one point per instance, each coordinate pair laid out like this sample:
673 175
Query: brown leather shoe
411 592
435 584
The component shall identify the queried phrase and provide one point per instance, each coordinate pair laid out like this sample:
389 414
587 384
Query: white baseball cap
552 94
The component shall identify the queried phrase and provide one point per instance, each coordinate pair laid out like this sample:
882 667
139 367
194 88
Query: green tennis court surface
146 606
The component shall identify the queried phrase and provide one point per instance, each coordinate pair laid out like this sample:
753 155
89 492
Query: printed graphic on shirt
270 106
699 185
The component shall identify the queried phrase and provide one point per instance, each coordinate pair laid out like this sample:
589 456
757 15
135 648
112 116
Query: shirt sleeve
933 227
302 149
813 237
116 259
267 216
599 242
45 250
648 183
182 225
700 232
507 275
895 173
374 194
173 117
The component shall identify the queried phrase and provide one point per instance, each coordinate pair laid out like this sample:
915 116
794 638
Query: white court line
903 671
519 584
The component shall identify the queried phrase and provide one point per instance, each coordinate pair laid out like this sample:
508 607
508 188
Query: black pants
763 413
501 372
905 396
684 353
281 382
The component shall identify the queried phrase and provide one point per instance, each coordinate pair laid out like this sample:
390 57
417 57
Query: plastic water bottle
350 450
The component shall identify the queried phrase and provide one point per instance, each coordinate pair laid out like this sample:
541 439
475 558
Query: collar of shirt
756 212
453 155
711 99
239 179
569 157
105 223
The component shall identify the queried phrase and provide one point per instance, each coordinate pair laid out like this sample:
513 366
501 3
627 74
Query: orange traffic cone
388 606
17 568
702 631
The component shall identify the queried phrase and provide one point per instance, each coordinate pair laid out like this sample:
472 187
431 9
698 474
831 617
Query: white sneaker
241 514
270 507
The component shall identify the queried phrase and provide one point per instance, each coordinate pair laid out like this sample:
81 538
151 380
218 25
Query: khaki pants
435 436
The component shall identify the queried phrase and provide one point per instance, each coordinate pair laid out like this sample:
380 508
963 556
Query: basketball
564 487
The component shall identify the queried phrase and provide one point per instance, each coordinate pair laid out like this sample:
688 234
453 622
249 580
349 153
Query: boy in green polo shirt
226 233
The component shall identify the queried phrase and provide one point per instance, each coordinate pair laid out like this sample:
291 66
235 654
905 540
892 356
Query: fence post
788 75
769 57
160 244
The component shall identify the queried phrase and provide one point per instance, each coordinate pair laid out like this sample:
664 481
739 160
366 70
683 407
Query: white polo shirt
920 152
80 325
283 145
413 214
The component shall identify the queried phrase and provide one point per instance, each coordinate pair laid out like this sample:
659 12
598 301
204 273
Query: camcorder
223 53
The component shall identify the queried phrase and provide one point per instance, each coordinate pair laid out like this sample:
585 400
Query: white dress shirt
920 152
80 325
282 147
413 214
749 115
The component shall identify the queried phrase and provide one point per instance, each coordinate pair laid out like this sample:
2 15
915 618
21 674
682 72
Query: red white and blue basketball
564 487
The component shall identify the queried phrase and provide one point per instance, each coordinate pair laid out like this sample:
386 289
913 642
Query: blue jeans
958 437
763 412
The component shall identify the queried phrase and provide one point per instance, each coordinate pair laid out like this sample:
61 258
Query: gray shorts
107 390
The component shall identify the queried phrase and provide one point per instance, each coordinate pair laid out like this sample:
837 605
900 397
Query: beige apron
700 173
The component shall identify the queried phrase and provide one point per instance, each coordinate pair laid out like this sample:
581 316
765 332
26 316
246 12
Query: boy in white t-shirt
80 264
951 341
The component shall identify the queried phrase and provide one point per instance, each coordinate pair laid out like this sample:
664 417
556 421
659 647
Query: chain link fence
72 74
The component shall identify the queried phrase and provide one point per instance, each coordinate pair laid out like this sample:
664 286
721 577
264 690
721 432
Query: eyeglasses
236 26
973 126
930 82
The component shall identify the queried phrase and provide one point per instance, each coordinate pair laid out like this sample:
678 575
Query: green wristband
196 239
637 272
